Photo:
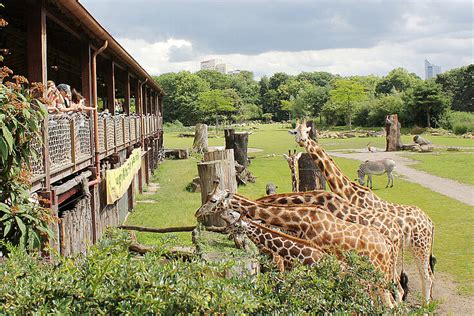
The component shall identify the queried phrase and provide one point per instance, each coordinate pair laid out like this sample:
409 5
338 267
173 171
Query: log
222 170
392 133
226 154
310 177
200 143
72 183
169 229
177 153
238 142
312 133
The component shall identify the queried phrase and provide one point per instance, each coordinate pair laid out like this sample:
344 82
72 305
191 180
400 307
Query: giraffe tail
404 284
432 258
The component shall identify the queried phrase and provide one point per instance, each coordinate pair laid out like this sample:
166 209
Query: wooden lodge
60 40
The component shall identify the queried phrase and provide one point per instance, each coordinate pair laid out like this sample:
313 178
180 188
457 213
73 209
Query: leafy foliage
109 280
345 96
22 222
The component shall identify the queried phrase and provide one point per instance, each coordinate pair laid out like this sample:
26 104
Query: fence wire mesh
82 136
101 132
126 129
110 127
118 120
59 140
133 126
36 163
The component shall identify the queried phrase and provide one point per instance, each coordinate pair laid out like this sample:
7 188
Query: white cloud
448 52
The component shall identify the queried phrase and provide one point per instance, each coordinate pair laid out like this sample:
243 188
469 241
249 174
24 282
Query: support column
37 65
86 73
126 103
110 82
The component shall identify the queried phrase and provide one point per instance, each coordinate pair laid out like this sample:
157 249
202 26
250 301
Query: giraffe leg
426 276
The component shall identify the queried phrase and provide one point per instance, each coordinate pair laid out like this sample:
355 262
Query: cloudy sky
347 37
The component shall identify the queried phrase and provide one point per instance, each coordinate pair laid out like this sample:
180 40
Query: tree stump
310 177
200 144
238 142
312 133
222 170
392 133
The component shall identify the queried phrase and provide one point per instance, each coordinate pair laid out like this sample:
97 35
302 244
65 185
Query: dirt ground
450 302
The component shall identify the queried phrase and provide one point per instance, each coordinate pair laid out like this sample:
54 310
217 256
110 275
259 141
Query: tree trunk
222 170
392 133
312 133
200 143
238 142
310 177
428 119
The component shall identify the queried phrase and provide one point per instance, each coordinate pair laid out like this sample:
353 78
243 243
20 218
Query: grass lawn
454 240
457 166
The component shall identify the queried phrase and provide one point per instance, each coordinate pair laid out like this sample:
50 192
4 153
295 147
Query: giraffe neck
339 183
283 245
294 177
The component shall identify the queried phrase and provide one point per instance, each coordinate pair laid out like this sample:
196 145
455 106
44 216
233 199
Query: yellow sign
118 180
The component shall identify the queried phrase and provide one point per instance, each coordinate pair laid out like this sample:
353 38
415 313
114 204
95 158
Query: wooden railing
70 140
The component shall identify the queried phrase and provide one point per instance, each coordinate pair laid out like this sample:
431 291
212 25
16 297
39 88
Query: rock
194 185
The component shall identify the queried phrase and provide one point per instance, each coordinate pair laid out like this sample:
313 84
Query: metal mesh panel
59 140
139 127
126 128
110 133
36 164
118 130
82 136
101 134
133 132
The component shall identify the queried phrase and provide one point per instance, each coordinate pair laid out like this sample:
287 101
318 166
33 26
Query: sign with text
118 180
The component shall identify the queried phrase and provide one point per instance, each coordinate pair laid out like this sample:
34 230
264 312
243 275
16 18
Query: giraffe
388 225
314 224
292 160
418 228
278 244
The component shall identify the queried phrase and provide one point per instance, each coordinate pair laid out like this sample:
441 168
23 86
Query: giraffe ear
292 132
286 156
229 195
298 155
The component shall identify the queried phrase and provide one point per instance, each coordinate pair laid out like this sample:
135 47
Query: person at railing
78 102
56 98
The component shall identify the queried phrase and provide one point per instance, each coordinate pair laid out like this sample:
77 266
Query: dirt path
450 188
444 291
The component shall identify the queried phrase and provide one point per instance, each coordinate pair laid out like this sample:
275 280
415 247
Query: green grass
457 166
454 240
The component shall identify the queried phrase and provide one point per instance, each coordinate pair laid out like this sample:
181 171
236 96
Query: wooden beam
110 83
36 58
138 98
126 103
86 73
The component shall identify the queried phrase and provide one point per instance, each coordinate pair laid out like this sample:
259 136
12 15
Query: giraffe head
217 201
301 132
292 159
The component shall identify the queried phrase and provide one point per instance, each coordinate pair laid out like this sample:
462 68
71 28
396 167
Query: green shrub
109 280
458 122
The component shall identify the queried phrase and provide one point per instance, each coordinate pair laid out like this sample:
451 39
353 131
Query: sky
346 37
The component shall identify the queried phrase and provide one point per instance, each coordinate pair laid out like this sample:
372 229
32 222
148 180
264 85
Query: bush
458 122
109 280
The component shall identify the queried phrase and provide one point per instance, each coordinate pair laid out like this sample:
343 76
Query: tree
399 79
317 78
182 91
458 84
215 79
345 95
215 103
428 100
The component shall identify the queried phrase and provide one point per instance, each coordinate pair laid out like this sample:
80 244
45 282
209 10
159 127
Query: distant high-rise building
431 70
213 64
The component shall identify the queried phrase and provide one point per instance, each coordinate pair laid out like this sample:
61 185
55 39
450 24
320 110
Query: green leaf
21 225
8 138
7 227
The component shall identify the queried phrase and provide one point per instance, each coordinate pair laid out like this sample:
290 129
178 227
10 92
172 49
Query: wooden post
238 142
37 66
312 133
216 170
86 73
392 133
126 103
200 143
110 82
310 177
